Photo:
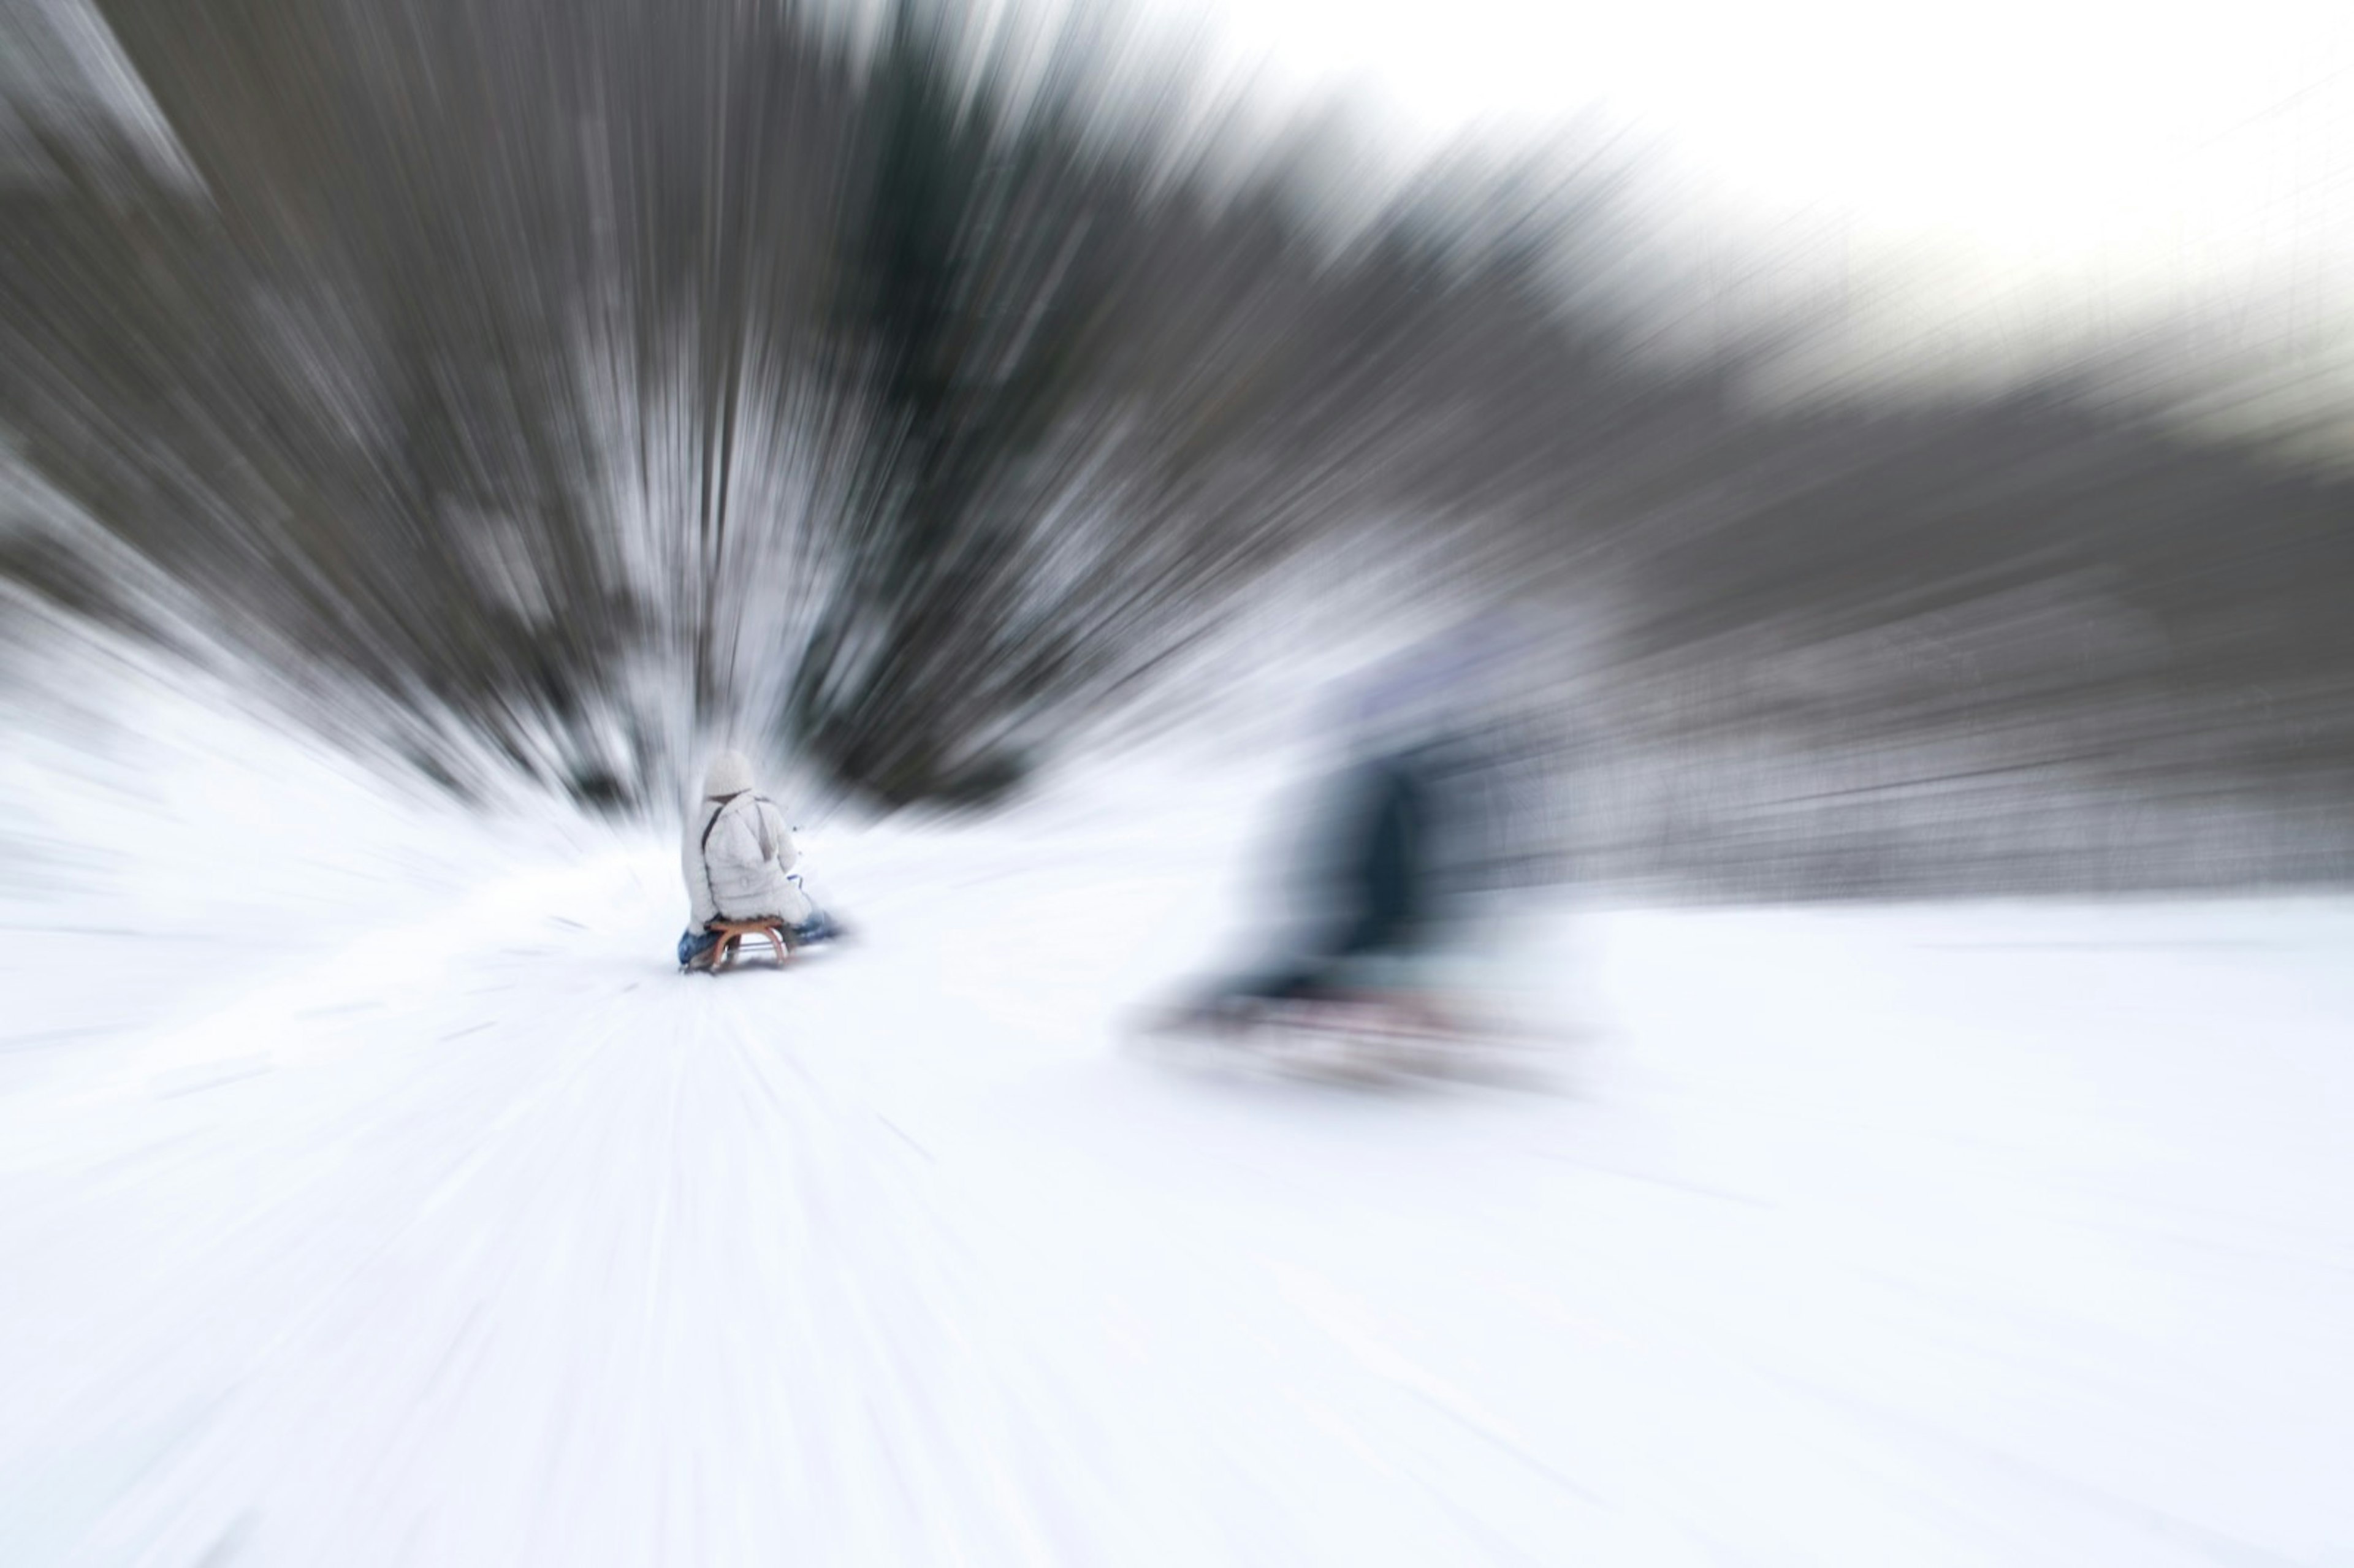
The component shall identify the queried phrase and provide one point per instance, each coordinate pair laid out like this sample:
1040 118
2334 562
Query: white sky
2090 153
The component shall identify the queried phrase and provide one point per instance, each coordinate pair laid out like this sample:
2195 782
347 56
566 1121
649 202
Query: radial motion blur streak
1809 1020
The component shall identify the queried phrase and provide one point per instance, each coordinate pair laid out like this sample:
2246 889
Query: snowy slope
461 1230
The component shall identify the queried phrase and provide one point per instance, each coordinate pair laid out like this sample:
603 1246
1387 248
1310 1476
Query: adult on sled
738 857
1440 808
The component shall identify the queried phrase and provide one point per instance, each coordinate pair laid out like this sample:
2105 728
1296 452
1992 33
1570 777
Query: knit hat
729 774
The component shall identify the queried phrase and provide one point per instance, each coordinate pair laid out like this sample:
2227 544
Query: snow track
1976 1235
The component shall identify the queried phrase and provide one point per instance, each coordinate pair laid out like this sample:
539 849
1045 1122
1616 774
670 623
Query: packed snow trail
2003 1235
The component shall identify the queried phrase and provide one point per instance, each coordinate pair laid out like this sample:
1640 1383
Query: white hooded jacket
737 853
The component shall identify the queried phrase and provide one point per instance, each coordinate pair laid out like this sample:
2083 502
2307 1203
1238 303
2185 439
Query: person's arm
780 837
700 901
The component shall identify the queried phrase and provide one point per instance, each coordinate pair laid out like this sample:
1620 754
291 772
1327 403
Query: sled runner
733 932
1358 1037
1372 1038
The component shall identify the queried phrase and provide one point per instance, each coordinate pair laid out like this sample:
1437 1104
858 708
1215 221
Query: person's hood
730 773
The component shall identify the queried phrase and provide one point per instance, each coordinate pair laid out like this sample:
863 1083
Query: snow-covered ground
402 1205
